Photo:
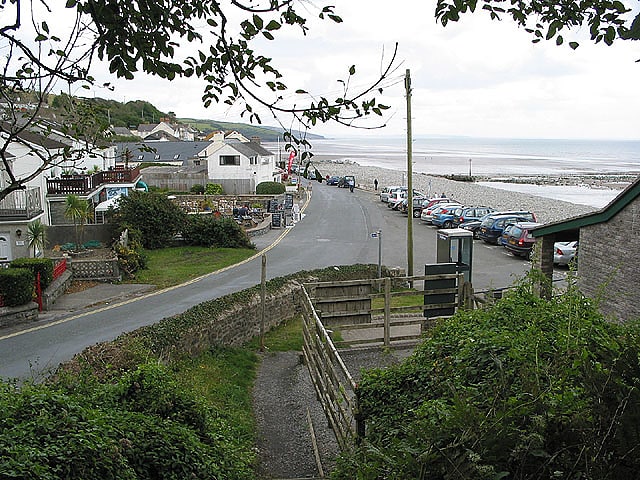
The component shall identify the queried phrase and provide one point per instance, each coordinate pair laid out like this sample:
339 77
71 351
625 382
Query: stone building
609 240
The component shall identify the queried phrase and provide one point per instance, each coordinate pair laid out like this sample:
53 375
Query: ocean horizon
500 158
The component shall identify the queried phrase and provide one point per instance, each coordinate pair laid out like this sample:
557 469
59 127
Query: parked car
429 202
404 206
428 213
565 252
468 214
474 225
443 217
519 240
398 196
344 181
333 180
386 192
493 225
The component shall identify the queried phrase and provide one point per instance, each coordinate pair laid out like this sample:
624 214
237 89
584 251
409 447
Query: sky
475 77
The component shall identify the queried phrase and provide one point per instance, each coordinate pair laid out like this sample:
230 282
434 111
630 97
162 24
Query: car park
333 180
518 240
493 225
565 252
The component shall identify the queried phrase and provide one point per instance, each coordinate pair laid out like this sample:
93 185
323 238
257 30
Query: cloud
475 77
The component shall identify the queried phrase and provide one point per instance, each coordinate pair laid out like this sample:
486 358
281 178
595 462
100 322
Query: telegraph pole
407 85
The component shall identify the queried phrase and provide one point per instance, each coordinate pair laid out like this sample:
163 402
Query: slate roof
249 149
164 151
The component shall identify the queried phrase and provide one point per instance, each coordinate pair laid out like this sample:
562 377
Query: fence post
387 311
39 291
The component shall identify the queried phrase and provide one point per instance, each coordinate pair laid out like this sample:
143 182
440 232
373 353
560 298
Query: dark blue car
492 226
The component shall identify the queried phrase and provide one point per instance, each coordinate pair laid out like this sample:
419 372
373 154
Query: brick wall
607 264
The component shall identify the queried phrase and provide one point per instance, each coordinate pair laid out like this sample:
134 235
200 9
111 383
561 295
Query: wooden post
263 294
387 311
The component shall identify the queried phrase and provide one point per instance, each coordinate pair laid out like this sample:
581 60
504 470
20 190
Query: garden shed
609 241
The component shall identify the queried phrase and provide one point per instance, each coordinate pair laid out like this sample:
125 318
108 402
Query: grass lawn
171 266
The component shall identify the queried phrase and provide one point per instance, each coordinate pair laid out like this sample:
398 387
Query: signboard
288 201
272 206
374 235
276 220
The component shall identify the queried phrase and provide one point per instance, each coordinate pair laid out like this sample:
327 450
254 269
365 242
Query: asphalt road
335 230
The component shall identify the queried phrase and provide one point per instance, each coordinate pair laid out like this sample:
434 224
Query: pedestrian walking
375 184
352 184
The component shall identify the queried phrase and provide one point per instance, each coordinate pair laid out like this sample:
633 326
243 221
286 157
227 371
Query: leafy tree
607 19
209 231
156 217
77 210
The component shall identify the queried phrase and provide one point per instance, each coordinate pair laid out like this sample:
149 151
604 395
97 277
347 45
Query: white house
239 165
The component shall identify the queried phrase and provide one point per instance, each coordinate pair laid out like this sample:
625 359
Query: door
5 248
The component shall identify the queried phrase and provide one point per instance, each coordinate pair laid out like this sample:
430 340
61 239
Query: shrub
209 231
197 188
270 188
44 266
156 217
526 389
214 189
16 286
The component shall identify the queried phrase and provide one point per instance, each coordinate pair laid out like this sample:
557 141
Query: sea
499 161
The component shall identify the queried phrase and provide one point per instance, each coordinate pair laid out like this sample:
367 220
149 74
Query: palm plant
37 236
77 210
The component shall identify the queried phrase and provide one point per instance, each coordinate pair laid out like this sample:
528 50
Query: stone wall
101 270
11 316
607 268
241 323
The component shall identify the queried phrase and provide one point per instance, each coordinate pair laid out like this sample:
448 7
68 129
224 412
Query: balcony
84 184
21 205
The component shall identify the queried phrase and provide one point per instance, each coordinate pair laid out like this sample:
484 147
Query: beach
468 193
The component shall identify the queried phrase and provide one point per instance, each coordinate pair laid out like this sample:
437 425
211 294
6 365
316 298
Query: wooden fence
334 385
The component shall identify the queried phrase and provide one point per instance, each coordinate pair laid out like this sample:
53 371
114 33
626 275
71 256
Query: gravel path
283 394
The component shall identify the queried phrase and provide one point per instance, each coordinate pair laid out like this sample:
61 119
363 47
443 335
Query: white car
386 192
564 252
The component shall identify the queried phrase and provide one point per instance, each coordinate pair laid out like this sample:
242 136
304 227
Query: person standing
375 184
352 184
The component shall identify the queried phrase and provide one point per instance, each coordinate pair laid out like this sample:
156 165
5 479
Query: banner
292 155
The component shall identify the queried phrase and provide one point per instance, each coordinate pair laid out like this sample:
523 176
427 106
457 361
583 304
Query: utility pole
407 85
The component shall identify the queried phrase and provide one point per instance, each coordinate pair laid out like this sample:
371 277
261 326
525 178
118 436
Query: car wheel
447 224
416 214
475 235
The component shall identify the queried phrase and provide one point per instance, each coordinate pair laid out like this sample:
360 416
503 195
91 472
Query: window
196 162
157 157
176 156
229 159
140 157
253 160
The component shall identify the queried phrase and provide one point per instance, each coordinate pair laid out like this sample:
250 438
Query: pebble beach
468 193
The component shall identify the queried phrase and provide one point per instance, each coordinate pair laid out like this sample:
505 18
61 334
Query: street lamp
469 168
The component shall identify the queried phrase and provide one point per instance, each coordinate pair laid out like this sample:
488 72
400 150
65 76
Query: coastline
468 193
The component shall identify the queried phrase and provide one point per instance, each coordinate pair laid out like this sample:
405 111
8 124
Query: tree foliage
154 215
607 20
527 389
209 231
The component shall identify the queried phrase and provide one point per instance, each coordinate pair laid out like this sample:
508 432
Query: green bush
16 286
270 188
131 257
44 266
209 231
156 217
197 188
214 189
526 389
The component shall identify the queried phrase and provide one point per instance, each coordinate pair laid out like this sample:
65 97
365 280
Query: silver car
564 252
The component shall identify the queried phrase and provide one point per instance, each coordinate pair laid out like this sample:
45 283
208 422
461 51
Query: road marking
157 292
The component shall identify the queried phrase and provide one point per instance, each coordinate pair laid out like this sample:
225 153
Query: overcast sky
476 77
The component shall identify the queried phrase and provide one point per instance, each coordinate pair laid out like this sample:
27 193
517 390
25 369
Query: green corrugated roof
603 215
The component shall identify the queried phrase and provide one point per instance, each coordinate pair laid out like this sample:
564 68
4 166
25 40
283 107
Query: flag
292 155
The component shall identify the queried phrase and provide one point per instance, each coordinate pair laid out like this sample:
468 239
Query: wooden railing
331 303
83 184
